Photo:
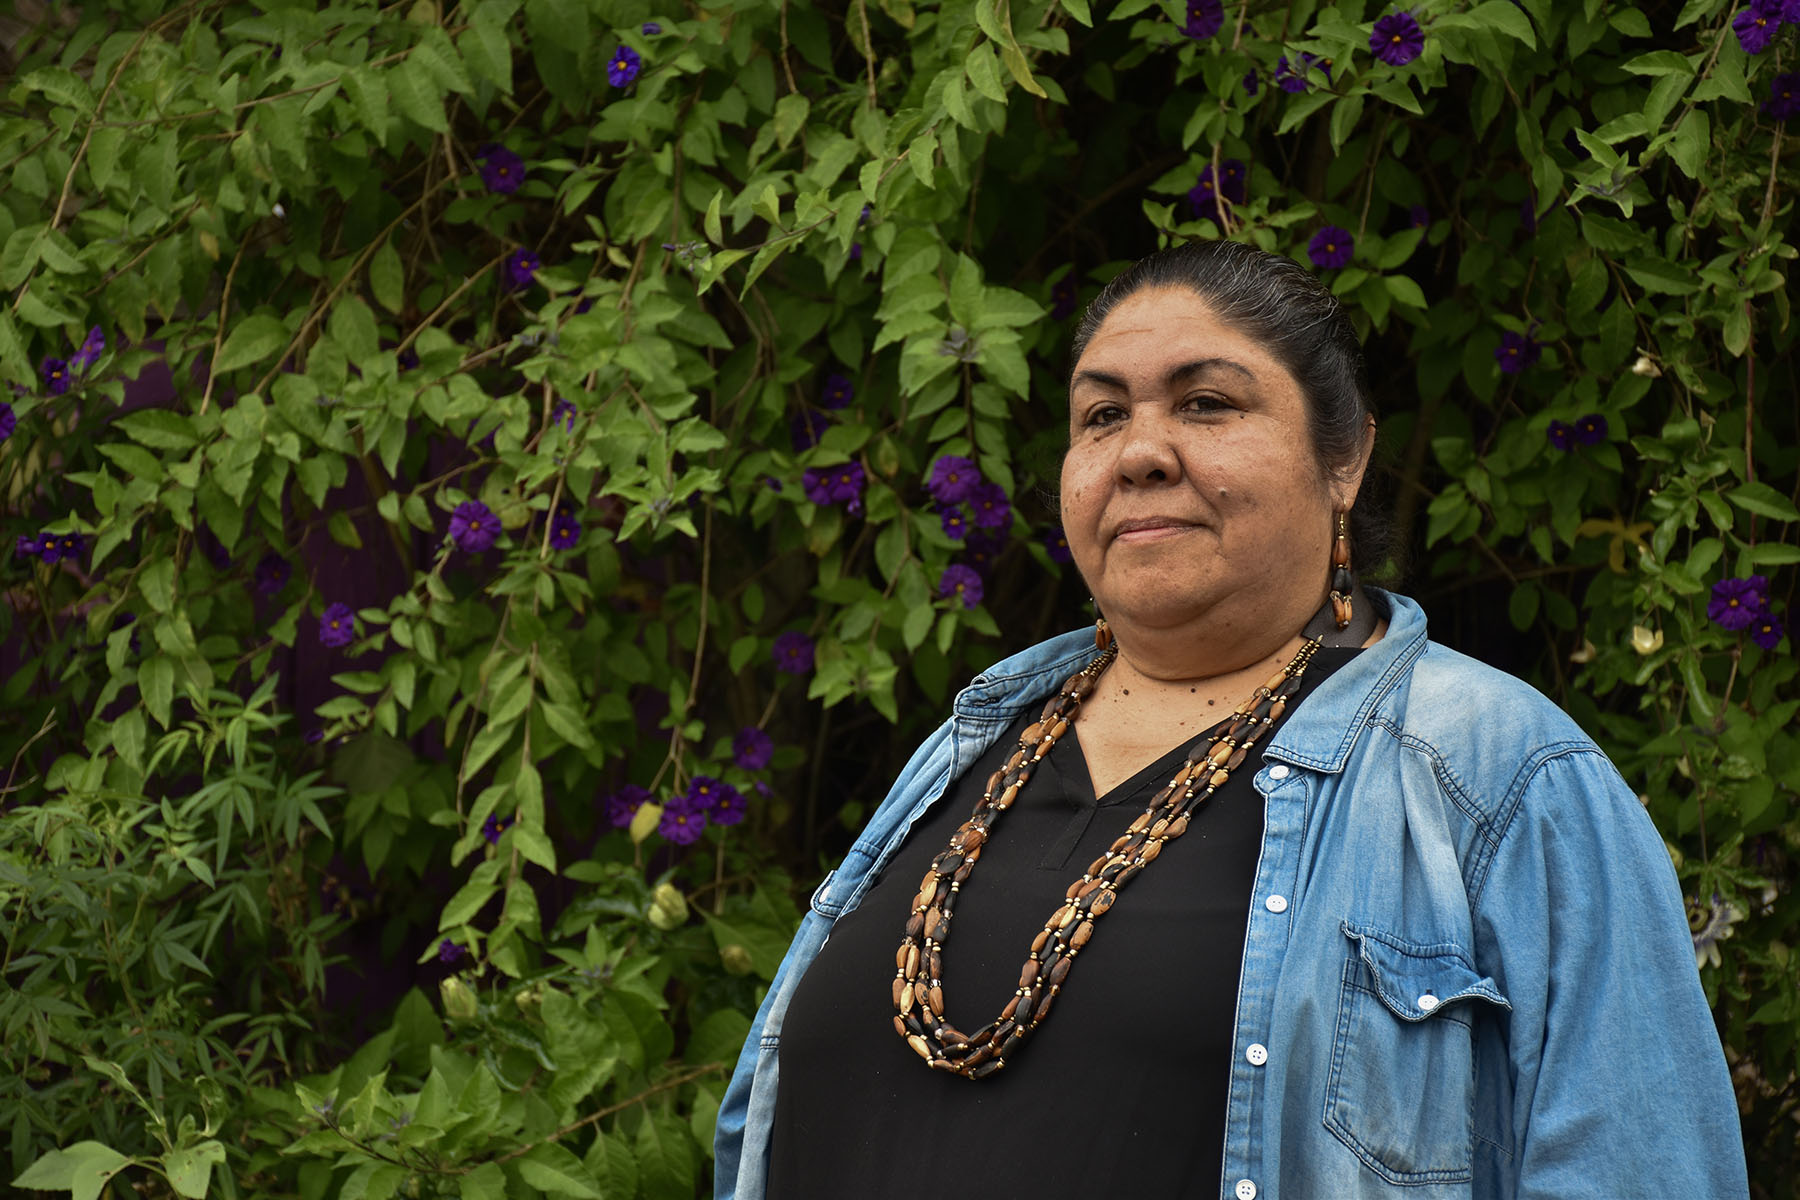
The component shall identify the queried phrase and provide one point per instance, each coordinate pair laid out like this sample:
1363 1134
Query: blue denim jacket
1467 972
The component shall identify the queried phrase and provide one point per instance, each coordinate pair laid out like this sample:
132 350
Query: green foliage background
280 205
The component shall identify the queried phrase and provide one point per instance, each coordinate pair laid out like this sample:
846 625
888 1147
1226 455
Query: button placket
1245 1190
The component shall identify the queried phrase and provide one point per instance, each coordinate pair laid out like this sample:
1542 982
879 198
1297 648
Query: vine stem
212 375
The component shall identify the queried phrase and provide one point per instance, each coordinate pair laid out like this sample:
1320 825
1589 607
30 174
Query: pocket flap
1416 980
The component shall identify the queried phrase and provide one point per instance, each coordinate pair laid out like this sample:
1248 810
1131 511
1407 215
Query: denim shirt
1467 972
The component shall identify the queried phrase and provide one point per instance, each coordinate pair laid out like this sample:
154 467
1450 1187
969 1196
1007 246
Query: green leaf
418 95
485 48
159 429
83 1169
1506 17
984 72
665 1154
1764 501
190 1169
156 684
550 1168
387 278
485 1182
252 340
157 583
1692 141
1405 291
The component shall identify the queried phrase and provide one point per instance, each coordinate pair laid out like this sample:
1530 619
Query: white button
1245 1190
1258 1054
1277 771
1428 1002
1276 904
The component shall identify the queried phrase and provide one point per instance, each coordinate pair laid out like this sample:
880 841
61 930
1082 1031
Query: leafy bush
463 456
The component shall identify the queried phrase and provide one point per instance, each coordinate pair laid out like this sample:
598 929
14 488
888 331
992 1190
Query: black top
1122 1090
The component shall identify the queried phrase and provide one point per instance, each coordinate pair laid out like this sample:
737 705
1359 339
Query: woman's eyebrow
1179 375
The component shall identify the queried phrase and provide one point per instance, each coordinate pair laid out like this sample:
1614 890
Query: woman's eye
1106 414
1205 402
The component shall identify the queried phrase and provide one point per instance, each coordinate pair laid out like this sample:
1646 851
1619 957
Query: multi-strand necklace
918 965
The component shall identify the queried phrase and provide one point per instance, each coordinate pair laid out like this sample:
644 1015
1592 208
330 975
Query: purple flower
563 413
623 804
806 428
1204 18
955 524
1418 217
521 269
1784 96
1755 28
752 749
793 653
40 546
838 393
855 251
953 479
1590 430
651 28
449 953
69 546
816 483
1738 604
337 625
982 548
1766 632
501 169
681 822
8 420
991 507
407 359
841 484
1528 213
1290 80
56 375
1063 298
1251 82
1517 352
1057 543
565 531
89 352
1332 246
473 527
623 66
492 828
271 575
961 582
720 801
1561 436
1397 39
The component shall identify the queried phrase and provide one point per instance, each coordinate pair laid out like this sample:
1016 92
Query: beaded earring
1102 634
1343 579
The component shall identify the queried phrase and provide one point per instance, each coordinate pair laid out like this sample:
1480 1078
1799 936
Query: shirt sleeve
1619 1085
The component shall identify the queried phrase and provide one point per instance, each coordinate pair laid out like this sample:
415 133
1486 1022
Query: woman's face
1190 488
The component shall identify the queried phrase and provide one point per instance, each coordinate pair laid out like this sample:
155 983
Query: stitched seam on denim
1335 761
985 684
1514 801
1481 1137
1447 779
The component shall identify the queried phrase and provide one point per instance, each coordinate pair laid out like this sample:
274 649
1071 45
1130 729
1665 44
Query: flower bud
644 822
459 999
668 907
1644 641
736 959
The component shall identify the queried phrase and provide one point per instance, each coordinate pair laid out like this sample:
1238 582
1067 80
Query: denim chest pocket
1401 1091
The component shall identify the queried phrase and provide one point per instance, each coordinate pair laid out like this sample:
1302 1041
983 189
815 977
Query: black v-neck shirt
1121 1092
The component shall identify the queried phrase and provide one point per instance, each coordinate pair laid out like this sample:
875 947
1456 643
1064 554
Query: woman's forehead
1156 327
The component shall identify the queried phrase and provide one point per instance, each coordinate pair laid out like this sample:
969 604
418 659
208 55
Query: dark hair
1275 300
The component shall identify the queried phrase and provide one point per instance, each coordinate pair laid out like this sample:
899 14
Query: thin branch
212 374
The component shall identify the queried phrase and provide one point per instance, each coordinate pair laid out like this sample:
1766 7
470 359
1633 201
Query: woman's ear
1346 487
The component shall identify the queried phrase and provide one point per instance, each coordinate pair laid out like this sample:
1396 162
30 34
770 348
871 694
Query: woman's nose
1148 454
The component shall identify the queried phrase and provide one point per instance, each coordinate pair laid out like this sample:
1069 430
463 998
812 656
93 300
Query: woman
1393 926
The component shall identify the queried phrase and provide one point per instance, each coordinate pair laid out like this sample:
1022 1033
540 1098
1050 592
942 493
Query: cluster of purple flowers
685 817
473 527
1397 39
1757 24
1332 246
1290 79
623 67
50 547
1743 604
954 482
1784 96
752 749
838 392
793 653
1204 18
842 484
271 575
59 373
521 269
501 170
1586 431
337 625
1227 185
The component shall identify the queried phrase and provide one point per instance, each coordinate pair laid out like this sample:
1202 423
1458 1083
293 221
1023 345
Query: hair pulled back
1282 305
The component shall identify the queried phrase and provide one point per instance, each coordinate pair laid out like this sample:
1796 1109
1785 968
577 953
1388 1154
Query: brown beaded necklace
918 965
